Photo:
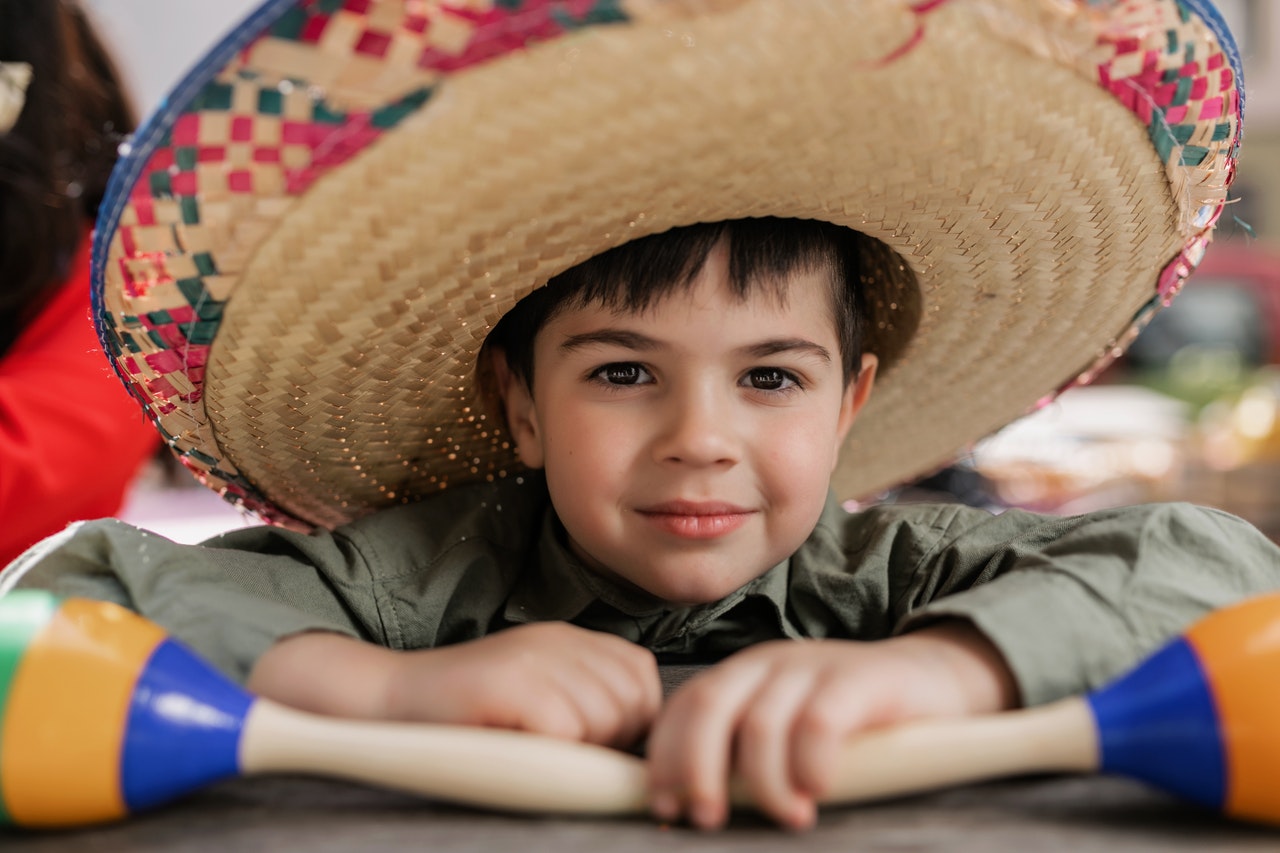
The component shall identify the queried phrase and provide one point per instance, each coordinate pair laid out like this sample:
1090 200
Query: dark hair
763 253
54 163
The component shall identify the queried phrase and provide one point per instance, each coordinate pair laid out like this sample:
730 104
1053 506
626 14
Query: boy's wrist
967 663
326 673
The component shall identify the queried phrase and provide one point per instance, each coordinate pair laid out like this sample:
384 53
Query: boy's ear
518 407
856 394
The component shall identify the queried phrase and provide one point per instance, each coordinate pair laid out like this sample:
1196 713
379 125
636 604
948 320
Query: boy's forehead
766 289
766 293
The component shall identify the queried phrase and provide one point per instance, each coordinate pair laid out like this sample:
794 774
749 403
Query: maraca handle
490 768
513 771
931 754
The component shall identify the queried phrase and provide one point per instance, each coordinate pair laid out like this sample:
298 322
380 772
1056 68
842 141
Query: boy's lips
695 519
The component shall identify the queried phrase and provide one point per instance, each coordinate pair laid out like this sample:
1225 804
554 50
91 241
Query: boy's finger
834 711
547 712
689 748
764 748
602 716
630 676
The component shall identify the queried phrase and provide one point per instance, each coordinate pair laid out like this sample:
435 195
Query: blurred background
1191 413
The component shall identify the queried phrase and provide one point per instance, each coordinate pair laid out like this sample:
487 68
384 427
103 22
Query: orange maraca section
1239 650
64 723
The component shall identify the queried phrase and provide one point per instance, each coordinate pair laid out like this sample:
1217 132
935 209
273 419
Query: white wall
1256 26
155 41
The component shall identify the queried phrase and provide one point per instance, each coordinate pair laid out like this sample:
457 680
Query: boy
676 411
686 396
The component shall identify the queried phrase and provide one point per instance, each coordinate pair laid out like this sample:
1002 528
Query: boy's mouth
695 519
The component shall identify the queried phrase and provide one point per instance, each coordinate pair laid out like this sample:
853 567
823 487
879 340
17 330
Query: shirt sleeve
229 600
1072 603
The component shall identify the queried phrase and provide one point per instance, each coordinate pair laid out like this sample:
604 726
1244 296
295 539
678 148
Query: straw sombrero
302 252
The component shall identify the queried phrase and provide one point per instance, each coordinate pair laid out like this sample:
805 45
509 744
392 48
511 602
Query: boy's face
689 448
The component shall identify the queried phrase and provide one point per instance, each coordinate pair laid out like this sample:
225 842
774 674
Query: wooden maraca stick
512 771
930 754
491 768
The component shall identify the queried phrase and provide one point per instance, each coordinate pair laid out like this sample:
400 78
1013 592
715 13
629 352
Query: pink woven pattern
304 97
1180 84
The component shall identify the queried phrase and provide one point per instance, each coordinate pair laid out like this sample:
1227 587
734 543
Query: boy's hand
551 678
776 715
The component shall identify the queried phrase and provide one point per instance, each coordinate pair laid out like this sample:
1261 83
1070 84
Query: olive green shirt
1070 602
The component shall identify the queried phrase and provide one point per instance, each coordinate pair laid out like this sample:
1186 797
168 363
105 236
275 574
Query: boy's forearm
1075 602
229 603
326 673
980 678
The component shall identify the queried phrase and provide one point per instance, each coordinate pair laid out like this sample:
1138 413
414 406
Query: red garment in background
71 437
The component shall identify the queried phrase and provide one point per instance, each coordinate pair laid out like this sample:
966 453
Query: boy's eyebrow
767 348
638 341
611 337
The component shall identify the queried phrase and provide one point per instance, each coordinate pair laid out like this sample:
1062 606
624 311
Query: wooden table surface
284 815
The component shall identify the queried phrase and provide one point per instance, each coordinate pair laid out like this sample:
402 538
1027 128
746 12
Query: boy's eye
770 379
622 373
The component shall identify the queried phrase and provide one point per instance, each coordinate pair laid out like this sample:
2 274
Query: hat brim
1037 216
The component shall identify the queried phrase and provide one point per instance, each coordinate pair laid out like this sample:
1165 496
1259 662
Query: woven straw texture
306 335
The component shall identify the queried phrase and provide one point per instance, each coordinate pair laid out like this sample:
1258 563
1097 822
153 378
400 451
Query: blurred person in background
71 440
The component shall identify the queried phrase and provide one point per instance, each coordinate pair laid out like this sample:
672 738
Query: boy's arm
1072 603
229 605
980 613
551 678
292 615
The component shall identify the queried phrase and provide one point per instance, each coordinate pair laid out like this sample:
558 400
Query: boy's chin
679 582
687 592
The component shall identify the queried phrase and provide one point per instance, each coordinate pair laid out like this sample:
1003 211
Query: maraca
102 715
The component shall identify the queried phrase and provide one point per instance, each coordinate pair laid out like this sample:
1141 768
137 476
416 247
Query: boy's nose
699 429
